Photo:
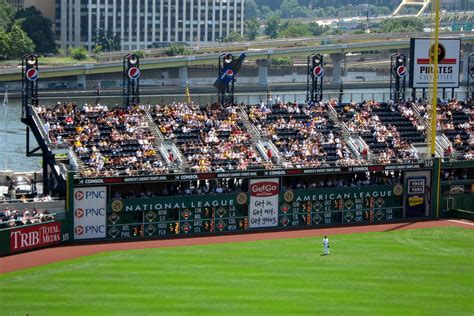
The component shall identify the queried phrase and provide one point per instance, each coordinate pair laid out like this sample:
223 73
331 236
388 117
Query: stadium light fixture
133 59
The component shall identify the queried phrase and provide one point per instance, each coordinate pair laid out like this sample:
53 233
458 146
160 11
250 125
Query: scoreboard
206 214
321 207
164 216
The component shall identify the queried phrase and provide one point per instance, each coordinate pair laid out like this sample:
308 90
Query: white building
141 23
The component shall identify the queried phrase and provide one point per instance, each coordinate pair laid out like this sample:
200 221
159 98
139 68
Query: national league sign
422 62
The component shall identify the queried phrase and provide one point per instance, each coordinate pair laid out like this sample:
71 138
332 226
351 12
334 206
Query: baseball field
426 271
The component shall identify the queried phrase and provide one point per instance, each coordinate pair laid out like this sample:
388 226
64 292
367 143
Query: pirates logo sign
117 206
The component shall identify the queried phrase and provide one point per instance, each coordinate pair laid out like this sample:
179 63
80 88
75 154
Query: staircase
258 141
161 144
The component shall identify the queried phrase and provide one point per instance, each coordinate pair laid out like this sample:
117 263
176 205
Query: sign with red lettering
422 57
263 206
36 236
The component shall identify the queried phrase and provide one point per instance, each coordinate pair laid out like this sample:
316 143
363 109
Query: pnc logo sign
79 213
79 195
264 189
79 230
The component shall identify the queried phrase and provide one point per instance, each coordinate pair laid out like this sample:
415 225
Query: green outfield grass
425 271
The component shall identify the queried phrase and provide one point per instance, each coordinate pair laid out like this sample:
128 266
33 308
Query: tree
317 29
273 26
282 61
300 12
400 25
6 15
287 6
252 28
233 37
109 41
251 9
4 42
273 4
18 43
175 50
98 49
266 11
295 29
38 28
140 54
78 53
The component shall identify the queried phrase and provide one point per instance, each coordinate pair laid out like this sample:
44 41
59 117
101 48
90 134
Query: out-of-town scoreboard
264 204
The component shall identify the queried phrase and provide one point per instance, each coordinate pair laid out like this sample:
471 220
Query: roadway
380 42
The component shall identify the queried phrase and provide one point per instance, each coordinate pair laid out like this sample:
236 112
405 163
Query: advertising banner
422 62
263 206
416 189
36 236
89 212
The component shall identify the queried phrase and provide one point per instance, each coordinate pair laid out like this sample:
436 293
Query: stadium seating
304 134
214 137
108 142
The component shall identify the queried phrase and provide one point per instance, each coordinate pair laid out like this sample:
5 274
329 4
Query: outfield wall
265 203
30 237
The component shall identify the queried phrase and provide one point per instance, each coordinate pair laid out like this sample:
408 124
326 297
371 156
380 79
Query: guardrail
36 217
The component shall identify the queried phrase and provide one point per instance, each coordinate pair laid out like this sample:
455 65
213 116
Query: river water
13 131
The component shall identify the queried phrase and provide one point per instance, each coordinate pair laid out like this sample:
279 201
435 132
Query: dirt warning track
49 255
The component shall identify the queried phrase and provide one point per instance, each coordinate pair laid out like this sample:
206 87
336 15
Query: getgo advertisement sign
36 236
422 52
263 208
89 212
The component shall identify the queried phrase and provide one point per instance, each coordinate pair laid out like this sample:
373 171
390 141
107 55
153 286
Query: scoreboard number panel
186 220
200 215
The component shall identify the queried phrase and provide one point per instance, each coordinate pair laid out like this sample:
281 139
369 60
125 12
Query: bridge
255 52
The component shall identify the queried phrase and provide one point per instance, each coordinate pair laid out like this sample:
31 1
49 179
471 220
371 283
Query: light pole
108 42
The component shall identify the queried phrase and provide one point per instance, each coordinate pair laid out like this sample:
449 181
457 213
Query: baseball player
326 245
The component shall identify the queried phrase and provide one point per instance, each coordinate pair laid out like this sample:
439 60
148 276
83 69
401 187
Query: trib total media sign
422 62
35 236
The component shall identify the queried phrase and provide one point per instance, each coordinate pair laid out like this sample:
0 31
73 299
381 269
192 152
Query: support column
183 76
46 184
465 72
263 65
336 70
64 25
81 82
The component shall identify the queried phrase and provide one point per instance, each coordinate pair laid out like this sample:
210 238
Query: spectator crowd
16 217
109 142
379 125
214 138
304 134
455 120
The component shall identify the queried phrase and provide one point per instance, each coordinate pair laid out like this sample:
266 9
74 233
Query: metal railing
36 217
